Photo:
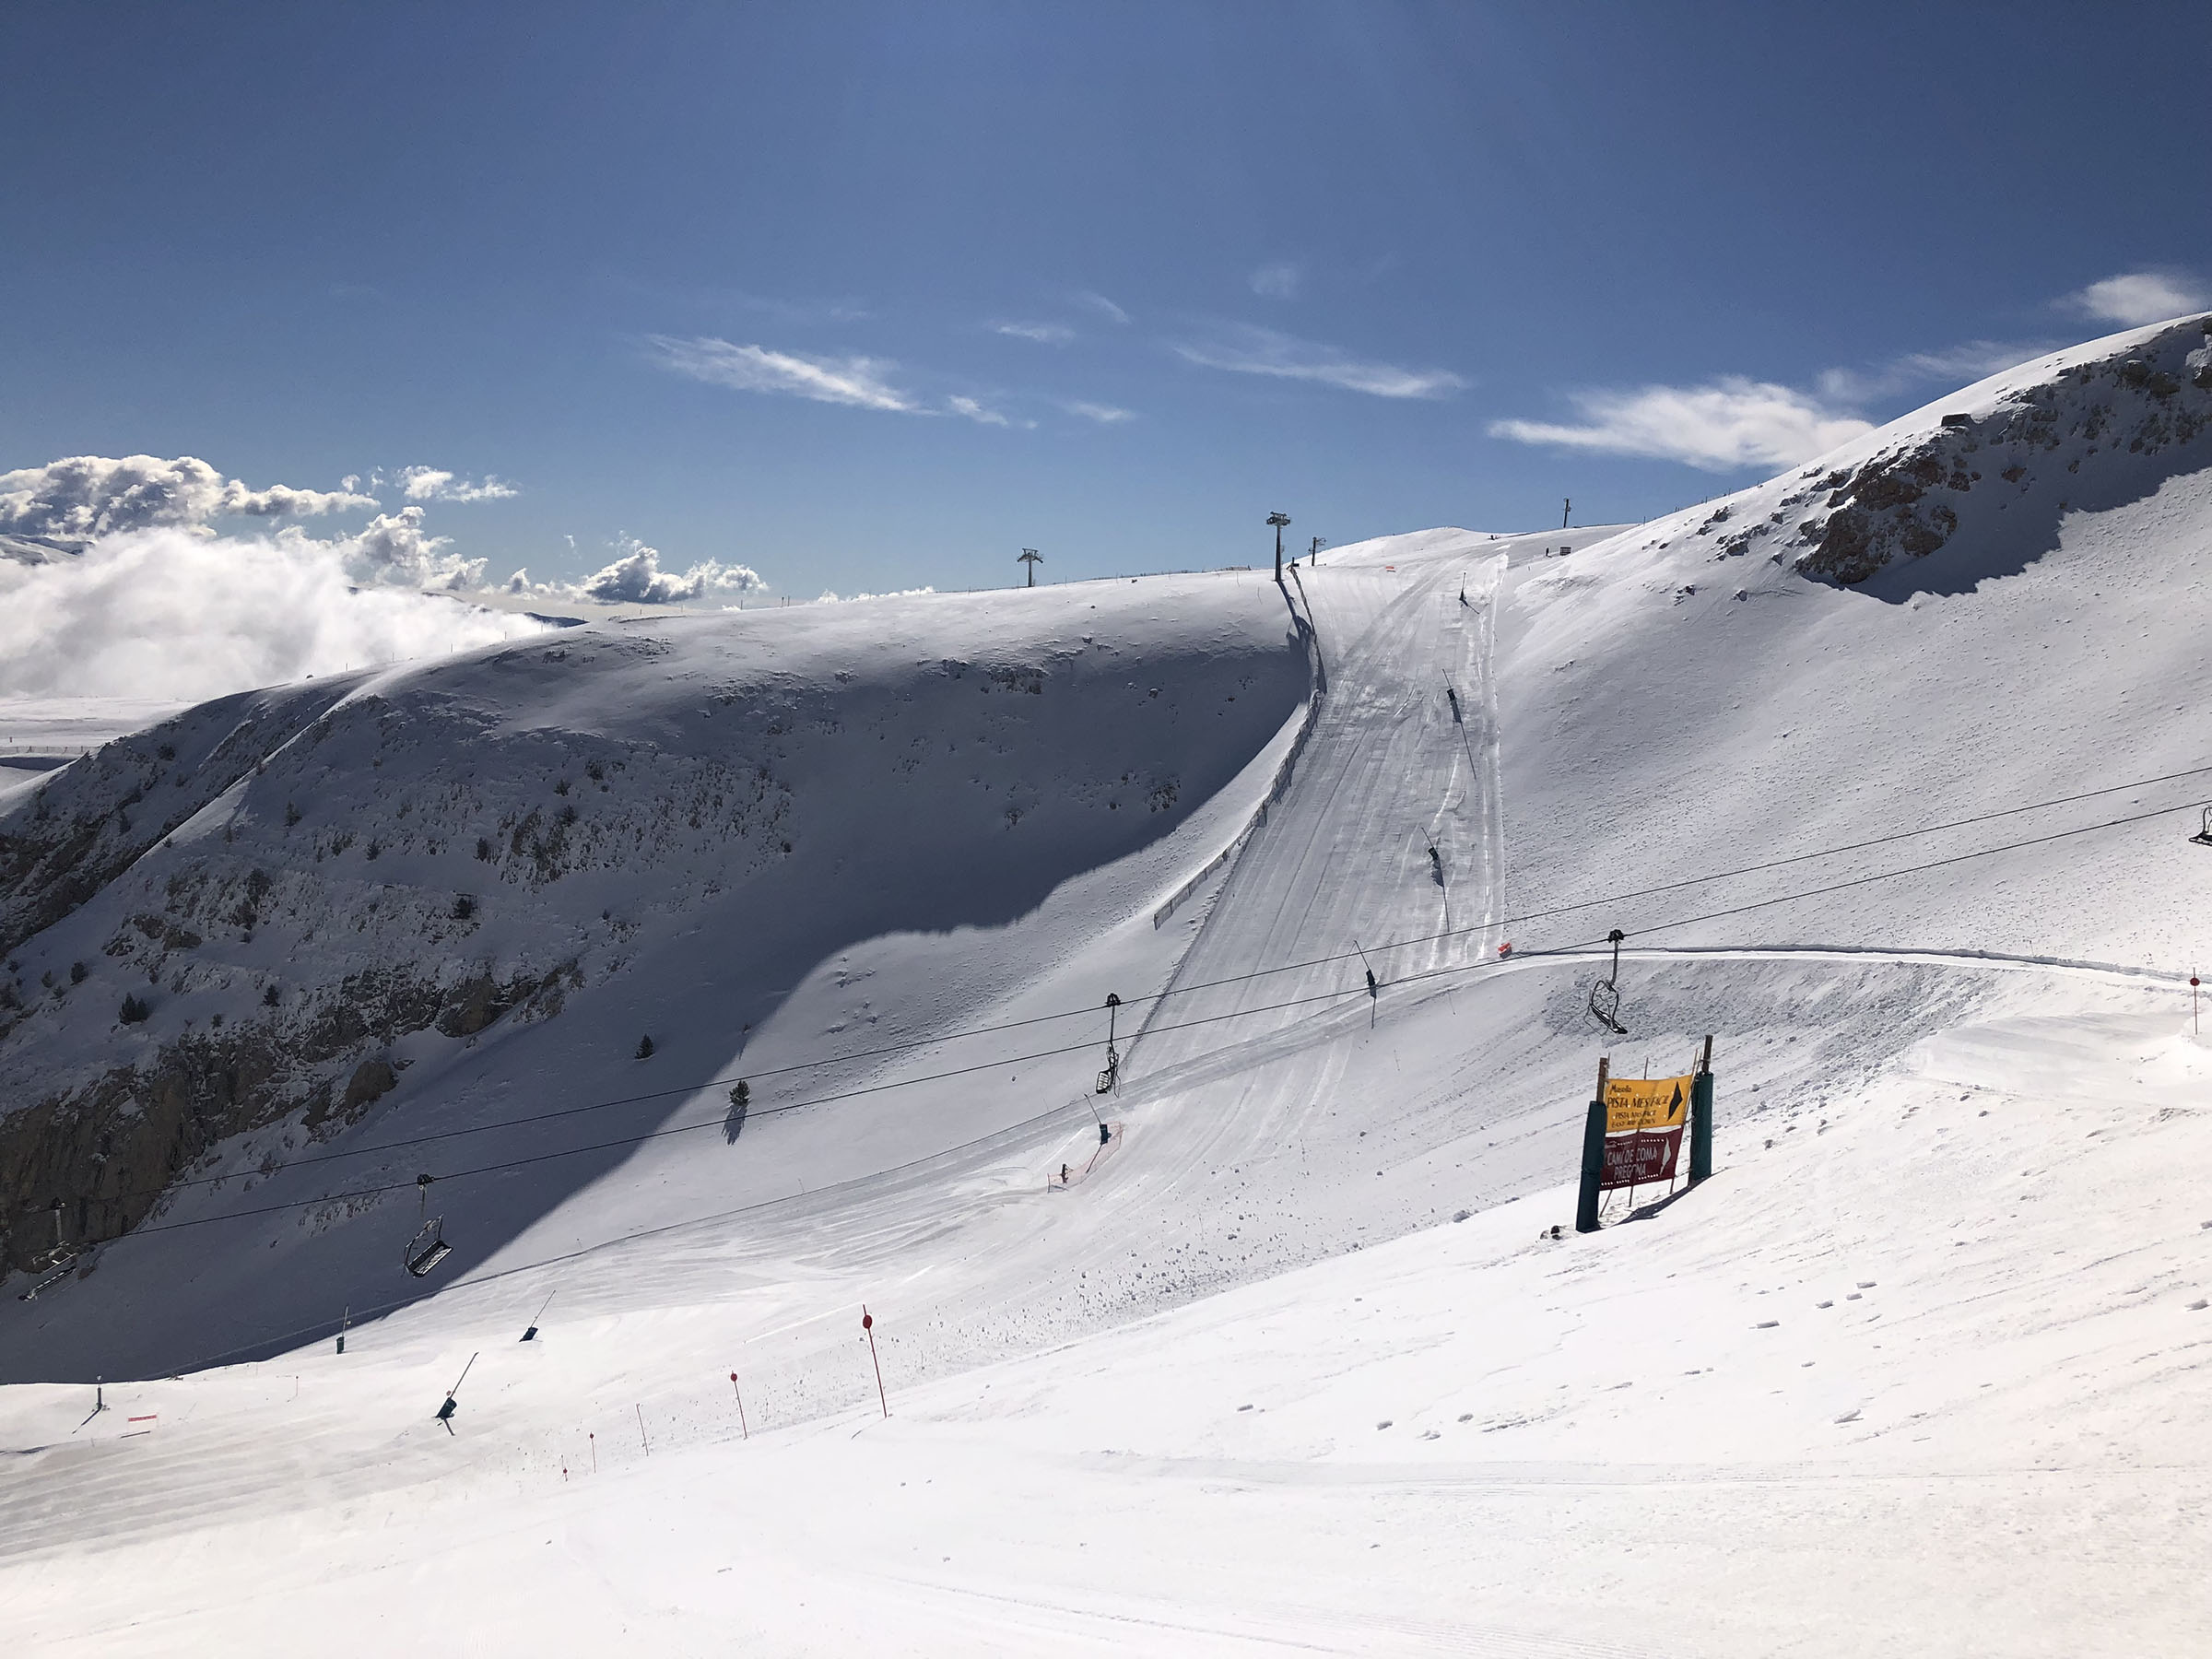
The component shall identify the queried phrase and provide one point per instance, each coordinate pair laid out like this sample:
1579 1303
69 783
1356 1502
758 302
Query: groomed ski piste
1301 1367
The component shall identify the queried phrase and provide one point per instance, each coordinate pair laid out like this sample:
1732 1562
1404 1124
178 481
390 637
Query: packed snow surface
1299 1365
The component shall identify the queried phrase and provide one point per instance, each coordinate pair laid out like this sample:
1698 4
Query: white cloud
435 484
1104 413
395 550
1244 349
173 613
975 411
87 496
1281 280
636 578
1723 425
2135 298
855 382
1044 334
1103 306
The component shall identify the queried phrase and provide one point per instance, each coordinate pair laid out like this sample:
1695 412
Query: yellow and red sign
1638 1103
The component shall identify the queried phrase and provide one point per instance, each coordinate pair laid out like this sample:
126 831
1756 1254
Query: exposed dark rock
371 1080
1893 505
115 1143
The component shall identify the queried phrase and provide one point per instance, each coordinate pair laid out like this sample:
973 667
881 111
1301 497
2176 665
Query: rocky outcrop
114 1144
1905 503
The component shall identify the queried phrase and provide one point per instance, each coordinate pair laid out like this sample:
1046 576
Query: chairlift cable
1410 976
1321 961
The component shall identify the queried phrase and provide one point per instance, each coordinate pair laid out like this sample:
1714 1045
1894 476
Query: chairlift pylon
427 1247
2203 838
1604 996
1113 1074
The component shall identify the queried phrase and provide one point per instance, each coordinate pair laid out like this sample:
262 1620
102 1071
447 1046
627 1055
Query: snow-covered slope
1896 1381
419 901
1696 695
1701 1433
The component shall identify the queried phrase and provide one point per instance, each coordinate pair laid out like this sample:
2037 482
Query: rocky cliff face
1905 503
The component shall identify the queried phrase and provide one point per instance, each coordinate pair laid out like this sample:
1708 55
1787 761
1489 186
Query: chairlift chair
2203 838
51 1265
1604 996
63 1253
427 1247
1112 1073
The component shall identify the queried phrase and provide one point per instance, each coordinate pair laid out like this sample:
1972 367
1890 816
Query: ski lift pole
867 1324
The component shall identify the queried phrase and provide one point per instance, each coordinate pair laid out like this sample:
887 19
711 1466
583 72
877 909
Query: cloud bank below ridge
130 588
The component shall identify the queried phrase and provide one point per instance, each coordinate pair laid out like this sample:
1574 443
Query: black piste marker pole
1593 1156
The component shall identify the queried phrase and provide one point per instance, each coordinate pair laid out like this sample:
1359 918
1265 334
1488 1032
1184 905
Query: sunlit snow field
1300 1366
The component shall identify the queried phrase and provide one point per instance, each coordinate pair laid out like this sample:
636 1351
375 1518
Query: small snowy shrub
134 1011
644 1048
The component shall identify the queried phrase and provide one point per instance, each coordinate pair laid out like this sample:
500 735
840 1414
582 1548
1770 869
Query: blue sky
873 296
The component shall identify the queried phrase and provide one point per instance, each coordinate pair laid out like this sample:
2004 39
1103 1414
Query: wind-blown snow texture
1914 1373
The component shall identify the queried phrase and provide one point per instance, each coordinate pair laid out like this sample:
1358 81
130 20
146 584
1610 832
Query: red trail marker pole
748 1433
2193 1029
867 1324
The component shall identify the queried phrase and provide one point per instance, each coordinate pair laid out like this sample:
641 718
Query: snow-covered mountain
382 892
1885 767
1992 602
